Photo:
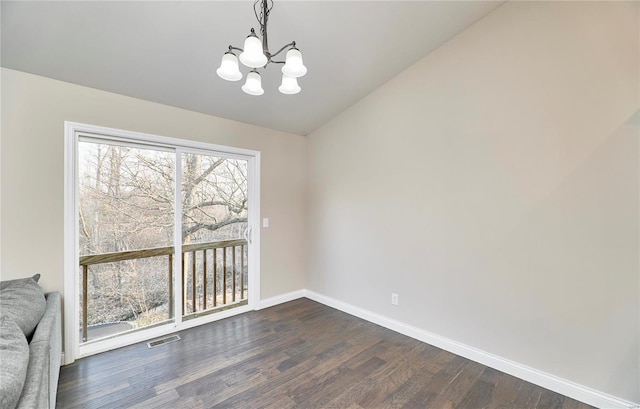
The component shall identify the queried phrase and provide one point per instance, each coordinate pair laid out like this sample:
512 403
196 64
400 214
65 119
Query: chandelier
256 55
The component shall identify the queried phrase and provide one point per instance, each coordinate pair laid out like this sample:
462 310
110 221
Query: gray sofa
30 357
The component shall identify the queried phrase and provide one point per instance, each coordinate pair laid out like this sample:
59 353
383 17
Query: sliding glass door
163 238
126 228
214 231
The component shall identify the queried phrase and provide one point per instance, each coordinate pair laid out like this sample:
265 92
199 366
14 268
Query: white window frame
73 133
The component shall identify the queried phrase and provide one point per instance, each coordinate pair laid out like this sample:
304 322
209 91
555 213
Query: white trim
253 179
136 337
70 304
157 140
540 378
125 339
73 132
281 299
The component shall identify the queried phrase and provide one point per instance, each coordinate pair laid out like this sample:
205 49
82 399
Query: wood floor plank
528 396
401 396
290 380
299 354
393 376
446 375
550 400
505 390
479 396
421 399
168 398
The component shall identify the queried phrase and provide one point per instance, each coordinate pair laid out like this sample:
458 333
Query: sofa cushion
18 282
23 301
14 355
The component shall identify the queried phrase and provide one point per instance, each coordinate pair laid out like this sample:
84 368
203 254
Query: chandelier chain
262 18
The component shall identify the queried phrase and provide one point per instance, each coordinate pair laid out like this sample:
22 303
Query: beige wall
494 186
33 113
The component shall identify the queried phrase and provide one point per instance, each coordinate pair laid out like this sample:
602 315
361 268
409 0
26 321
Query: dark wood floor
295 355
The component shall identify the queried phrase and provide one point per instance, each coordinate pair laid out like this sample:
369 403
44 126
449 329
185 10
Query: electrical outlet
394 299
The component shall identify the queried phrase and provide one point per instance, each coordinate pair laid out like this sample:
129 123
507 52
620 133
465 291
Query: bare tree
127 203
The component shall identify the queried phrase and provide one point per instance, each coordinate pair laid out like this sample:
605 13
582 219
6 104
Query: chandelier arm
291 44
278 62
235 48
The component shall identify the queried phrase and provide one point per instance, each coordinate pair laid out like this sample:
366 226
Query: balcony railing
195 302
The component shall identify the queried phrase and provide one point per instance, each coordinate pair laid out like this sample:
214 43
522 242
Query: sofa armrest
45 350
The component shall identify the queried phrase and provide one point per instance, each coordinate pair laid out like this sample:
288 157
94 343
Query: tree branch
213 226
207 172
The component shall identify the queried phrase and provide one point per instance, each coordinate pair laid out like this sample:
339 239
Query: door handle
247 234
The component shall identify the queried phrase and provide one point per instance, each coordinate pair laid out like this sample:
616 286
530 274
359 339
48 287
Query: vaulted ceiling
168 51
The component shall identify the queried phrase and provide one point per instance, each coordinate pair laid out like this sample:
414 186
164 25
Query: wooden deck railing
189 251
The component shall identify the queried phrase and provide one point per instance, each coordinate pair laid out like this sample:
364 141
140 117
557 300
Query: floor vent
162 341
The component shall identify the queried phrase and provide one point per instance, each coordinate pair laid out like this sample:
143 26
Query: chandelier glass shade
289 85
253 86
229 68
293 66
256 54
252 56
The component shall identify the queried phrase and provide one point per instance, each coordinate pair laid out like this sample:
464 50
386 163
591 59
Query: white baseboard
543 379
279 299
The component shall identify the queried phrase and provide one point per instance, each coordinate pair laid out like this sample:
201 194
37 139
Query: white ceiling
168 52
